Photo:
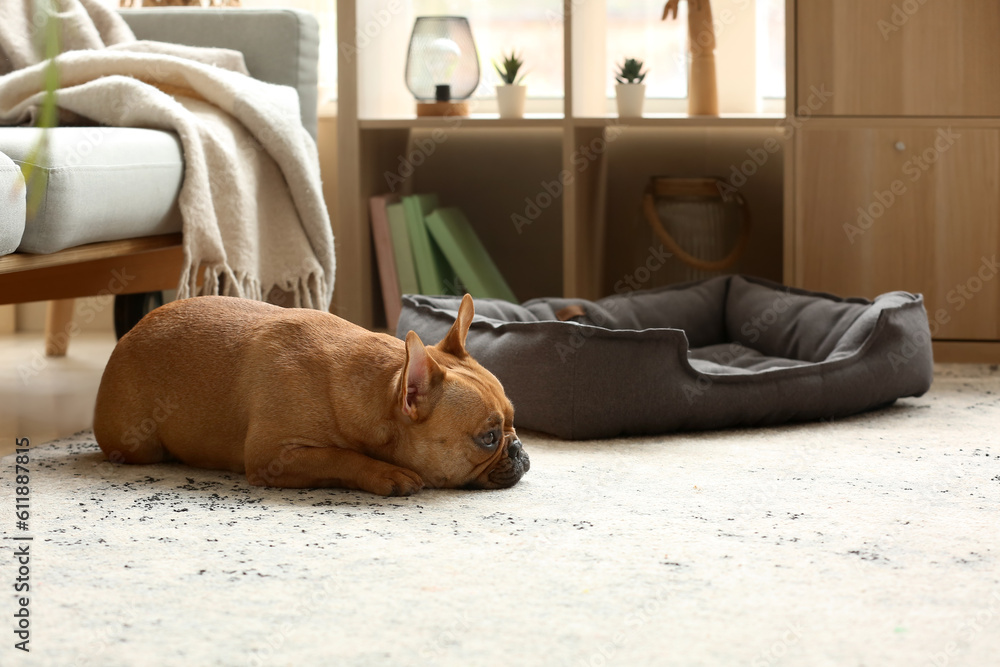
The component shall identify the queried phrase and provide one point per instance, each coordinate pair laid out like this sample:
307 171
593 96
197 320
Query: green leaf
48 116
511 65
630 71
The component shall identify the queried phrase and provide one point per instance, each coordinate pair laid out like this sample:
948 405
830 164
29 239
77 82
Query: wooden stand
703 90
434 109
129 266
58 320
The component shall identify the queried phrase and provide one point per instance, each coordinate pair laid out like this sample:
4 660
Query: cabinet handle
900 146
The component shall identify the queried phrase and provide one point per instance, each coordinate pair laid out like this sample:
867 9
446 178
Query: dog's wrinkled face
461 424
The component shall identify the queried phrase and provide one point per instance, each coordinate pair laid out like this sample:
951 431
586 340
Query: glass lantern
442 65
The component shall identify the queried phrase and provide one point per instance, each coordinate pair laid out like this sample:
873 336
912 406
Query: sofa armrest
279 45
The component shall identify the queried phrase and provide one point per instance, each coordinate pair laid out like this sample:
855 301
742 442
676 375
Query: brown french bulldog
299 398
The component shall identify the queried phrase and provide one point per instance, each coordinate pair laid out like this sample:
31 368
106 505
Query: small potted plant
630 92
510 96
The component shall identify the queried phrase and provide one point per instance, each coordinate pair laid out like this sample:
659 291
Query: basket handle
653 218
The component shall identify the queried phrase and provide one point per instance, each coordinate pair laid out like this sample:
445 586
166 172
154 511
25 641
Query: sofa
108 221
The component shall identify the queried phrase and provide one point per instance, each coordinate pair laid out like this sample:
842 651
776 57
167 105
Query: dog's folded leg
297 466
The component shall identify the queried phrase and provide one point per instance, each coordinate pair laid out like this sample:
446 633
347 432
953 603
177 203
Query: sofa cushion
12 209
103 184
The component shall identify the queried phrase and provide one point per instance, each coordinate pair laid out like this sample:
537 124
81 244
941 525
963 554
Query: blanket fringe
306 291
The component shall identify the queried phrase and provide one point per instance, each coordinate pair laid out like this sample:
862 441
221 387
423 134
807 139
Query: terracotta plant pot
510 99
630 98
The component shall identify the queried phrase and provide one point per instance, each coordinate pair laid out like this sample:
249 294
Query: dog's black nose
514 449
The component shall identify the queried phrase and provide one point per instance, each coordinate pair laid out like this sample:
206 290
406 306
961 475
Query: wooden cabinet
900 57
905 208
894 181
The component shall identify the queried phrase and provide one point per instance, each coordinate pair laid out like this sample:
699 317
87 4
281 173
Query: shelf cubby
377 128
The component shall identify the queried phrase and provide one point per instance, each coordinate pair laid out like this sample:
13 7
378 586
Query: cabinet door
914 209
900 57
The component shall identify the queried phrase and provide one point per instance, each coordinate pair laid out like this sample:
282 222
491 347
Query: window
771 49
533 28
635 30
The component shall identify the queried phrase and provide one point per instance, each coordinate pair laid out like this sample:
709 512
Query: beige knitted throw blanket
254 220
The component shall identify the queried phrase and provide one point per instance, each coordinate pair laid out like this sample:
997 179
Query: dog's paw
396 482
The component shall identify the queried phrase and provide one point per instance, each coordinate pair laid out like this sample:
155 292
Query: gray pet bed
729 351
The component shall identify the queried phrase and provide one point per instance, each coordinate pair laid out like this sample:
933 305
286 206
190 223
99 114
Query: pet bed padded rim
667 334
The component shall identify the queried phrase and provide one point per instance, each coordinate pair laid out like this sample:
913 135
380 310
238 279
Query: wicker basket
705 231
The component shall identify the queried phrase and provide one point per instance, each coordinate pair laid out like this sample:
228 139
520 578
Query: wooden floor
46 398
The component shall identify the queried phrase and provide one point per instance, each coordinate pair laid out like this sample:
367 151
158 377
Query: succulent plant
508 71
630 71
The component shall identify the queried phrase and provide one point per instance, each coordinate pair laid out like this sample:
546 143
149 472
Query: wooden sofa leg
57 326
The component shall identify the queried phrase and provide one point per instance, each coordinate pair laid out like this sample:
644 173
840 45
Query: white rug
871 541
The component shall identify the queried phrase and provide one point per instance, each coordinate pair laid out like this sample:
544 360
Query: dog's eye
489 440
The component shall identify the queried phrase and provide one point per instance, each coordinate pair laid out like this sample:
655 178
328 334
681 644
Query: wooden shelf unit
871 97
477 121
374 132
674 121
492 121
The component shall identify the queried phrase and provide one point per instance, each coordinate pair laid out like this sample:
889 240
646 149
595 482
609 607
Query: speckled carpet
869 541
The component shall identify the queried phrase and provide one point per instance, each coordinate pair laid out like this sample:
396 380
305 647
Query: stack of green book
434 250
467 254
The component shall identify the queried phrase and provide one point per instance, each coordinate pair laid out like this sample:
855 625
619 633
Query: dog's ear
421 376
454 341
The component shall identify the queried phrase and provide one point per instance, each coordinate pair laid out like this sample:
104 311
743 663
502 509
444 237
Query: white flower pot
510 99
630 97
